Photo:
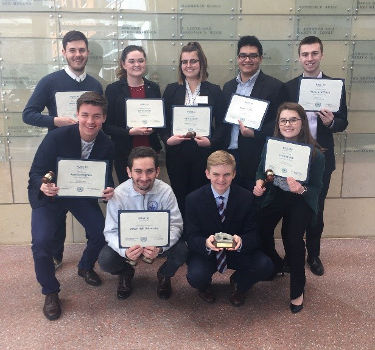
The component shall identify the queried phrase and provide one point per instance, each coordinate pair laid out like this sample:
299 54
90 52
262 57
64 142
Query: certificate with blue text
288 159
144 228
145 112
81 178
318 94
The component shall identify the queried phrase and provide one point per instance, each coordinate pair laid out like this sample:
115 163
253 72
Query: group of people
213 178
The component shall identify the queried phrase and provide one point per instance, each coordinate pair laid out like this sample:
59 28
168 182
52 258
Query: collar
78 78
319 76
250 80
225 194
134 193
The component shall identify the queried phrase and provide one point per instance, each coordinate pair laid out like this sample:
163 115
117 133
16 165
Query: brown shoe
207 295
124 288
90 276
164 289
52 308
237 298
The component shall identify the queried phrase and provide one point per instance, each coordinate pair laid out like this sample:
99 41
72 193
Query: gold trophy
224 240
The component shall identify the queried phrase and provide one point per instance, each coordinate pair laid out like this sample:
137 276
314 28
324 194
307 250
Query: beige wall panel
365 6
86 5
324 7
156 6
35 25
266 27
363 52
336 178
361 122
15 224
25 6
162 75
207 6
2 129
363 88
250 7
283 73
349 218
363 28
14 126
6 195
277 52
219 53
359 166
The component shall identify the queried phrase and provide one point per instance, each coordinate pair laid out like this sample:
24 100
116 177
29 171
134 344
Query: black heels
296 308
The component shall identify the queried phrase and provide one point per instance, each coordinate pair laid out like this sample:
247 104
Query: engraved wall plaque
208 6
361 122
86 5
365 6
363 52
162 75
277 52
363 88
5 176
336 178
14 126
324 7
150 6
27 5
363 28
268 7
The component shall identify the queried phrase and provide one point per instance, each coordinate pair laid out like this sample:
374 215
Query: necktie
221 258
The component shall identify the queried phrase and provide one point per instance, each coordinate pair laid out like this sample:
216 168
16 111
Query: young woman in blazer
131 84
294 202
185 157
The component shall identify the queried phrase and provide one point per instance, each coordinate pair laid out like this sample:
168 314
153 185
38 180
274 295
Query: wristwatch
304 190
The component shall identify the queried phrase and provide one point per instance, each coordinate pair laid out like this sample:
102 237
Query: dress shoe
52 308
90 276
295 308
207 295
124 288
164 289
316 266
237 298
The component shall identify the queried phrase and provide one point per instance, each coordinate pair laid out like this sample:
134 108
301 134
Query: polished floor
339 308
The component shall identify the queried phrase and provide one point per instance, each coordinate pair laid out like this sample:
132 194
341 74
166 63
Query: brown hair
74 35
221 158
310 40
191 47
92 98
143 152
120 71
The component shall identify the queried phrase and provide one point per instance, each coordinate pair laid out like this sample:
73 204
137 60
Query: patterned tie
221 258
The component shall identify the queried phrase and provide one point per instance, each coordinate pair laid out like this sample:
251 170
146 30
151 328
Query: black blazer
174 94
324 134
202 219
64 142
115 125
265 88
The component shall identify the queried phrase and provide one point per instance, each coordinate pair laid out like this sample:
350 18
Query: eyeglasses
291 121
133 61
250 56
191 61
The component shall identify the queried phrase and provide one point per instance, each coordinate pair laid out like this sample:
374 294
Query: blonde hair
221 158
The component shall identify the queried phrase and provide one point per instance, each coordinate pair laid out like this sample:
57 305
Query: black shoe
207 295
90 276
164 289
236 298
295 308
52 308
124 288
316 266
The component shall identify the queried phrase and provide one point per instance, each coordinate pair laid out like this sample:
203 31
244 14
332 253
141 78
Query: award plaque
318 94
81 178
250 111
144 228
66 103
288 159
224 240
145 112
191 119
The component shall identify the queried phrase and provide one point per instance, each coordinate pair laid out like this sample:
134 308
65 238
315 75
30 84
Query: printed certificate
191 118
249 110
317 94
81 178
145 112
144 228
288 159
66 103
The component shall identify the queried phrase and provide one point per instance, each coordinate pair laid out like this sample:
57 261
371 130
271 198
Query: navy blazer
202 219
115 125
174 94
64 142
324 135
250 148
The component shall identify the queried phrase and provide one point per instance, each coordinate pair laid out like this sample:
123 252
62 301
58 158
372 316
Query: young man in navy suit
223 207
322 125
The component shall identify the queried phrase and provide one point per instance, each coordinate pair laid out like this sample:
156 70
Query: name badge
202 100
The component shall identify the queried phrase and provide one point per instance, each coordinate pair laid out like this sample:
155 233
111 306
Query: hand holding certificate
190 119
145 112
318 94
250 111
288 159
144 228
81 178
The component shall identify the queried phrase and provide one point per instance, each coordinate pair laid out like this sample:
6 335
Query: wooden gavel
46 179
270 175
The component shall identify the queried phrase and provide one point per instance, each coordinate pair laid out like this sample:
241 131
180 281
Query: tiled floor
339 308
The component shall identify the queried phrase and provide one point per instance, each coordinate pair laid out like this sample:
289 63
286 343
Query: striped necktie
221 258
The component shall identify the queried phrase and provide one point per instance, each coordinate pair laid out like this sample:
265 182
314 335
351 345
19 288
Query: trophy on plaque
224 240
270 175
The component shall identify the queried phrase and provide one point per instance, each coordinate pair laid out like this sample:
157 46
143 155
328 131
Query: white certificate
144 228
250 111
145 112
81 178
288 159
317 94
66 103
191 118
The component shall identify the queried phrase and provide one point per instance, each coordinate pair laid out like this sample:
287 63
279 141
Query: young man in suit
322 125
84 140
223 207
245 143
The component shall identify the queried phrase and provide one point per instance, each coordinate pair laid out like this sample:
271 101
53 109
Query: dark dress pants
249 268
45 232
